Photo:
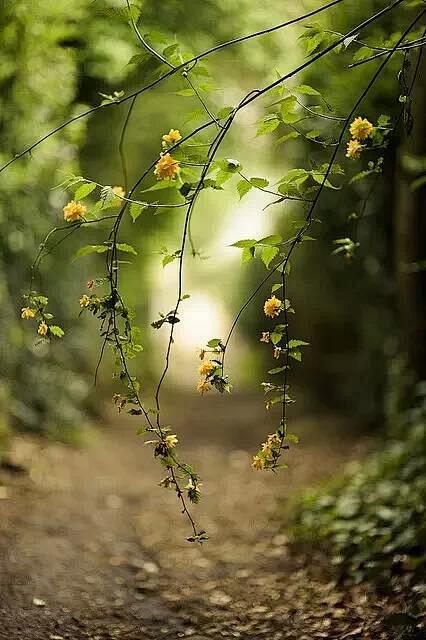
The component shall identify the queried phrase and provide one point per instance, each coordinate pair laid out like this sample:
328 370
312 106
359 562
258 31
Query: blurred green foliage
373 519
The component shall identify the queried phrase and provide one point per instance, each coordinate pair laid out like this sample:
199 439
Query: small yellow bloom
354 149
171 137
171 440
203 386
206 368
74 211
272 307
258 463
27 313
274 440
42 329
361 129
265 336
267 448
84 301
166 168
119 191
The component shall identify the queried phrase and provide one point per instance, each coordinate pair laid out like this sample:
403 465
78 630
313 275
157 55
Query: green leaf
276 337
56 331
268 124
161 184
126 248
84 190
136 209
259 183
271 240
248 254
90 248
242 244
297 343
213 343
268 254
168 259
306 90
292 135
276 370
243 187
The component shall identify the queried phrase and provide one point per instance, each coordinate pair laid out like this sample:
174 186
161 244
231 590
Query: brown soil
91 547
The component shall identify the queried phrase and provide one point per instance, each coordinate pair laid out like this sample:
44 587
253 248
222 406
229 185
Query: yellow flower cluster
170 138
74 211
205 369
360 129
167 167
272 307
268 452
27 313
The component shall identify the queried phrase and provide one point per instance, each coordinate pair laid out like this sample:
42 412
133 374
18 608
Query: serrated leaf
242 244
268 124
56 331
90 248
247 254
243 187
306 90
271 240
259 183
268 254
126 248
136 209
292 135
161 184
297 343
84 190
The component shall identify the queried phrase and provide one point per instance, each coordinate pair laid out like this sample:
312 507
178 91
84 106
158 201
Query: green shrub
373 518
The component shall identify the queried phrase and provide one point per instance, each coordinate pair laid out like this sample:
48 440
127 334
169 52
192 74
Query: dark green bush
373 519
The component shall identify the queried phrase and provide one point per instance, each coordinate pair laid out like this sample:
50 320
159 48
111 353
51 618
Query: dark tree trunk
410 235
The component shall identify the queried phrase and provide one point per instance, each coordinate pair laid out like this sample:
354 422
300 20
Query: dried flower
265 337
84 301
74 211
353 149
171 137
272 307
166 168
206 368
27 313
90 284
42 329
203 386
277 352
361 128
171 440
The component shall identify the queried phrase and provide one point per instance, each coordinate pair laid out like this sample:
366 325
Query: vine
190 172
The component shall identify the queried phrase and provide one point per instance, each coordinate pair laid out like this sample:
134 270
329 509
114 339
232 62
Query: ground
92 548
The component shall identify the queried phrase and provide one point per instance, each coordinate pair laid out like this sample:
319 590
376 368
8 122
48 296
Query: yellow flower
361 129
84 301
267 448
206 368
166 168
258 463
119 192
274 440
354 149
74 211
272 307
171 440
265 336
171 137
27 313
42 329
203 386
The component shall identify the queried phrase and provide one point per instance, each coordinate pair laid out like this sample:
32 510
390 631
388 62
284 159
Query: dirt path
90 547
